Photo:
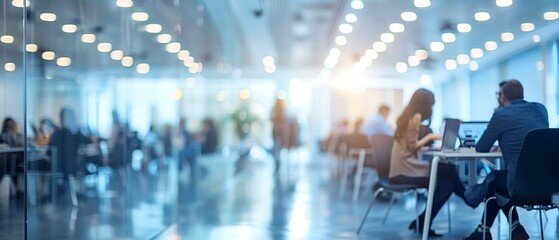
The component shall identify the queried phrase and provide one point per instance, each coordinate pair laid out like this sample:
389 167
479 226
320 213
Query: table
470 156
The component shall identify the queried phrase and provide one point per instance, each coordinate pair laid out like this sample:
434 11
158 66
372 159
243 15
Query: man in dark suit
509 125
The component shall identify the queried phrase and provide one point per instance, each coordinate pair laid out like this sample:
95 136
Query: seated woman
10 134
405 165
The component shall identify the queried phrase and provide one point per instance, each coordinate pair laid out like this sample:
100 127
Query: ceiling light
188 61
536 38
183 54
464 27
7 39
19 3
401 67
396 27
330 62
527 27
371 54
268 60
244 94
490 45
476 52
413 61
127 61
164 38
48 55
117 54
436 46
408 16
482 16
365 61
474 66
507 36
140 16
124 3
350 18
422 54
540 66
450 64
69 28
88 38
173 47
503 3
153 28
448 37
142 68
422 3
270 68
462 59
341 40
345 28
335 52
426 80
104 47
10 66
63 61
550 16
387 37
379 46
357 4
30 47
48 17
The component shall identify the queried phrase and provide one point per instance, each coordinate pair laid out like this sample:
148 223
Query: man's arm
490 135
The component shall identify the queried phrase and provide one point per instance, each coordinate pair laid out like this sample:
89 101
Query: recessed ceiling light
268 60
48 55
30 47
267 69
164 38
448 37
413 61
19 3
401 67
536 38
188 61
474 66
48 17
490 45
450 64
341 40
183 54
335 52
330 62
124 3
365 61
422 54
476 52
127 61
503 3
88 38
153 28
7 39
357 4
69 28
63 61
104 47
140 16
482 16
550 16
437 46
387 37
426 80
345 28
10 67
396 27
117 54
462 59
464 27
507 36
142 68
371 54
379 46
540 66
350 18
422 3
409 16
527 27
173 47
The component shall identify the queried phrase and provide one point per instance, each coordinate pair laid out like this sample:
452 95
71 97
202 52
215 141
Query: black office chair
537 174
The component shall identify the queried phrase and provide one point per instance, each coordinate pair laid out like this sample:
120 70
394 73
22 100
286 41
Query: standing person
280 130
209 136
509 125
405 165
377 124
185 146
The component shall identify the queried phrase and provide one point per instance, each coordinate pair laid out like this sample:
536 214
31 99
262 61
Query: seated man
509 124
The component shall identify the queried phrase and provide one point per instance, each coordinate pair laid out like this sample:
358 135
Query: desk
449 157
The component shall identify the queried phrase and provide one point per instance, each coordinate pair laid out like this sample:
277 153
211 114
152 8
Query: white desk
449 157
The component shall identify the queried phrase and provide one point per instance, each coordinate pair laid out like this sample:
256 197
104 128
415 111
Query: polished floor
238 198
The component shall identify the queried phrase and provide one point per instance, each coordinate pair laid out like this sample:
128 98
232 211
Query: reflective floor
242 199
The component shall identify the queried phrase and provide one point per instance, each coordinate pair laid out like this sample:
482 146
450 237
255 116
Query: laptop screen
472 130
450 134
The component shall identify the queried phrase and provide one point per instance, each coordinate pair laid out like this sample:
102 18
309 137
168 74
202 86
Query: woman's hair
421 102
6 123
279 110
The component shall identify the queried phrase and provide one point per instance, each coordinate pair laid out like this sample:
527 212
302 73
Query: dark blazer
510 125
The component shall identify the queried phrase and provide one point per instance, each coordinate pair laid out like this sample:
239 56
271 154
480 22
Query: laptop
450 134
470 132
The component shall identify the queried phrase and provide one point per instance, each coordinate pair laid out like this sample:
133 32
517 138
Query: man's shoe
432 232
475 195
477 234
519 233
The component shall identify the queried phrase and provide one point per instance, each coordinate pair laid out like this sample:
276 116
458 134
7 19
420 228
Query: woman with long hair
407 168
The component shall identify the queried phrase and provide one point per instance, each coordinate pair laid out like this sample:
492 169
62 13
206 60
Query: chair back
537 171
382 148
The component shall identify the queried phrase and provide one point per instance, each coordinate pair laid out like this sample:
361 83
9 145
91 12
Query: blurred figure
116 143
341 128
10 134
45 130
167 141
209 137
149 144
377 124
184 144
280 130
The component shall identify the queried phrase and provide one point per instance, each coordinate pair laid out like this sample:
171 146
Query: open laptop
450 134
470 132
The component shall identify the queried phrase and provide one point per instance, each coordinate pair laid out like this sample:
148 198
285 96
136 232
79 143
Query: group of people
510 124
